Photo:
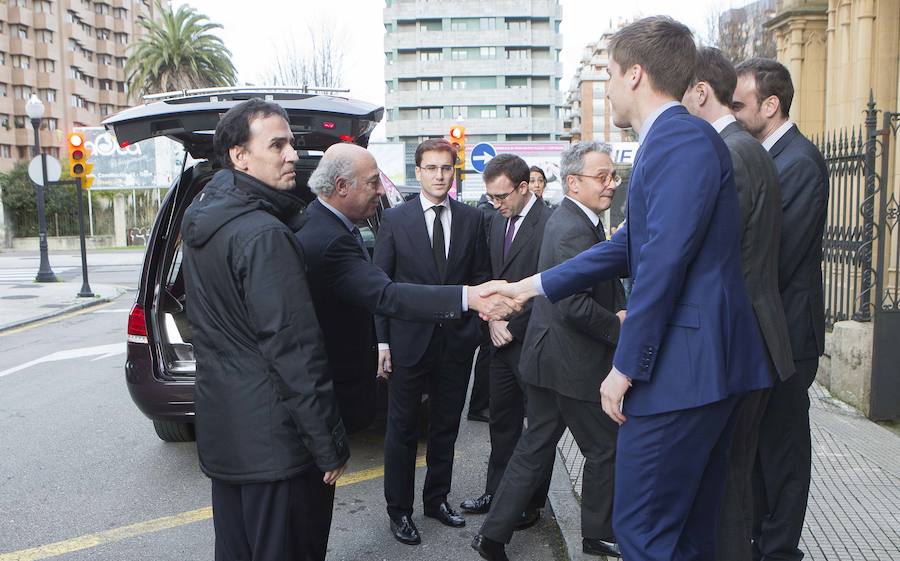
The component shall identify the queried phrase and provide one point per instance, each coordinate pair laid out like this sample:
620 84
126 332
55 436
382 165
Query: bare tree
740 33
319 63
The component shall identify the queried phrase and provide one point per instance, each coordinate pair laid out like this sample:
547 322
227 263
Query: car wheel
170 431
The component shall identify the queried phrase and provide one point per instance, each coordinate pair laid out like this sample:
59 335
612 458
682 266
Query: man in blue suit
689 345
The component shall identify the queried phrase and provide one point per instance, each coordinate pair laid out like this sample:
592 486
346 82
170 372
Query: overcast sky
254 30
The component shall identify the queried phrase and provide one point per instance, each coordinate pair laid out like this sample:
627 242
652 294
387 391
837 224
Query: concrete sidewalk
24 302
854 502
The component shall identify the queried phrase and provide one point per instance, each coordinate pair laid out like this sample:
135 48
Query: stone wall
846 367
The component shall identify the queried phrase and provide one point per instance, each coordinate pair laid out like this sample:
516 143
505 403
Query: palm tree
178 52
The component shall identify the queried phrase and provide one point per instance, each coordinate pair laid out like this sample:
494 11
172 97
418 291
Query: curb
50 315
567 510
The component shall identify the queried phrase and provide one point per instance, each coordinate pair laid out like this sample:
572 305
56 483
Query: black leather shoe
446 515
405 531
480 415
489 549
593 546
528 519
477 506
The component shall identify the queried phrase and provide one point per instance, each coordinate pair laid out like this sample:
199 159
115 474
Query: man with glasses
430 239
515 243
566 350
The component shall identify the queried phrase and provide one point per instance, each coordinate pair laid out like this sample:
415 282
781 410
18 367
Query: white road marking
104 351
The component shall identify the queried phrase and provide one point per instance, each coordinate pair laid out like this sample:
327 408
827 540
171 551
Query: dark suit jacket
569 345
804 200
347 288
522 260
690 337
759 196
403 251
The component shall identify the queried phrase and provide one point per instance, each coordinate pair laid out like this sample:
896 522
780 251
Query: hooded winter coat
265 406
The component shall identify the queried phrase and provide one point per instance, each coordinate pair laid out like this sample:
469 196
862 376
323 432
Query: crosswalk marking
24 276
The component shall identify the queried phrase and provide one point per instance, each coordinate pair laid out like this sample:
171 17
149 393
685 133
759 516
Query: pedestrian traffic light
78 160
458 139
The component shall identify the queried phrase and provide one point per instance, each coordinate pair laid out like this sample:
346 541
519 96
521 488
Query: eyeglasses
501 197
603 178
434 169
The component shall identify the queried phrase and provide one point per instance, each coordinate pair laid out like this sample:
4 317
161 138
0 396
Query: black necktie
358 235
437 242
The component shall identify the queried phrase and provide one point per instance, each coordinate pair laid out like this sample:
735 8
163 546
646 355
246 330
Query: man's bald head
348 179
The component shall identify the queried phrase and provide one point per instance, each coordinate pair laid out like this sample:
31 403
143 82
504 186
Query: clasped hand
490 303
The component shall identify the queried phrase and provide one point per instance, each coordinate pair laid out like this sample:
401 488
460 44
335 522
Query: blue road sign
482 153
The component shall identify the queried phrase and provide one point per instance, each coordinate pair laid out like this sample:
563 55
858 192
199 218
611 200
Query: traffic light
78 160
458 139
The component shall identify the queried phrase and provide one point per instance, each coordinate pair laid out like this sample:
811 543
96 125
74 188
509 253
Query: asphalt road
83 475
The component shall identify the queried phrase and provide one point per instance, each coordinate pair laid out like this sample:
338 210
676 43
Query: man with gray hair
347 288
567 350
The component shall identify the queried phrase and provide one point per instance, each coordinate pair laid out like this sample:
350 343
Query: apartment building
587 114
493 66
72 54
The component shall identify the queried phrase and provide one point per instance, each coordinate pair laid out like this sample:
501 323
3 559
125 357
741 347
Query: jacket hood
228 195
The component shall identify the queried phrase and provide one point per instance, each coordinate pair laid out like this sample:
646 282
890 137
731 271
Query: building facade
742 33
492 66
72 54
587 114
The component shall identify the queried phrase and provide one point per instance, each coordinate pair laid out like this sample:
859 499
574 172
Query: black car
159 369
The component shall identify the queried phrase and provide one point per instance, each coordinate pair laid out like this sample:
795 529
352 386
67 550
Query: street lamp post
35 110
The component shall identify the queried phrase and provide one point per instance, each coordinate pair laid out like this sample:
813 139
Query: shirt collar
527 208
722 122
592 216
350 225
776 135
426 204
648 122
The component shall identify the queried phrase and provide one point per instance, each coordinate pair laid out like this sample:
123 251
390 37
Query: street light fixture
35 110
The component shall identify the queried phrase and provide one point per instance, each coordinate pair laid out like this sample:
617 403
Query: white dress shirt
722 122
592 216
445 220
522 214
776 135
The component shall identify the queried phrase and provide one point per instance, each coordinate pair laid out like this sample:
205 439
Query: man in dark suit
762 102
759 196
568 346
515 244
689 345
431 239
347 287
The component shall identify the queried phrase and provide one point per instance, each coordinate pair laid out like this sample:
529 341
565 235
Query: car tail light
137 325
346 138
328 124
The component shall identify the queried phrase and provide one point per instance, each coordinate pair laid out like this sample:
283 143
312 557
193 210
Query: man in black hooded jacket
268 430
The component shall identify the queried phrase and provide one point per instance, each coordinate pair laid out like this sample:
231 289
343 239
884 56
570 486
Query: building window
2 58
106 109
4 121
474 82
106 85
119 13
430 113
3 88
46 65
104 59
51 123
120 62
19 122
431 25
102 9
389 86
456 111
103 34
71 17
20 3
43 35
465 24
517 111
488 23
48 94
120 86
19 31
43 6
517 24
425 56
77 101
87 29
122 38
518 54
516 82
488 52
21 61
432 85
5 151
21 92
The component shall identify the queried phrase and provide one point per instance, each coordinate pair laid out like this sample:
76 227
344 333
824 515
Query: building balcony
440 98
594 76
23 77
106 72
103 21
43 20
108 96
44 80
466 8
121 26
19 46
16 14
478 67
497 38
45 50
87 118
6 78
439 127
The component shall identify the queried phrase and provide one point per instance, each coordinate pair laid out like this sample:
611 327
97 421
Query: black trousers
445 378
507 406
528 472
479 399
783 467
736 512
285 520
